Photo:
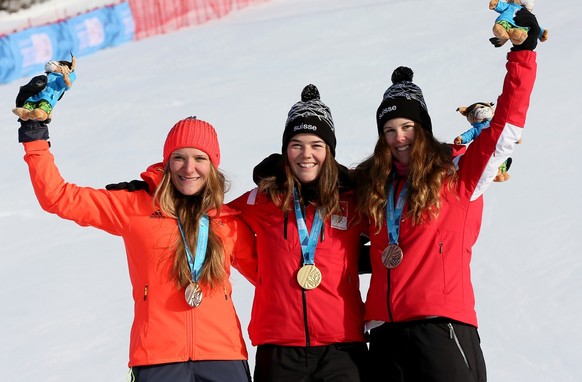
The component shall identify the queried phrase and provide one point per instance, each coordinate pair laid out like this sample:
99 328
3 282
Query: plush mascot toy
505 27
37 99
479 116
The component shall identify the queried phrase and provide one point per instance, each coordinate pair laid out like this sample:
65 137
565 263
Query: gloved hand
32 131
270 166
134 185
525 18
497 42
34 86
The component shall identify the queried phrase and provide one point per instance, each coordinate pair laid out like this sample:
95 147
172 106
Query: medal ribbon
308 239
394 215
196 263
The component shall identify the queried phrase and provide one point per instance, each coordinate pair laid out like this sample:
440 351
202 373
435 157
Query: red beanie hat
192 132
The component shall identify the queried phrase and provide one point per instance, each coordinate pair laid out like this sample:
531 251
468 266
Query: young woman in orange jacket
180 241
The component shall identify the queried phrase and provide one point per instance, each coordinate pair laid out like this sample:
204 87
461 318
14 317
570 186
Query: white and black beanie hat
312 116
403 100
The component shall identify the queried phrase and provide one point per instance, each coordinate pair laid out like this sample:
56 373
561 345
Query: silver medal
193 295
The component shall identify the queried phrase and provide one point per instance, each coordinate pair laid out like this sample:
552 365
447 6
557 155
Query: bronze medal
392 256
193 295
309 276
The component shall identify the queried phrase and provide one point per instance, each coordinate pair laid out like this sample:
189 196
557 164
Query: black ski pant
194 371
341 362
431 350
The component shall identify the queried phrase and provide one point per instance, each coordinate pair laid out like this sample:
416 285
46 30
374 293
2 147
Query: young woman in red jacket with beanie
180 242
307 314
425 214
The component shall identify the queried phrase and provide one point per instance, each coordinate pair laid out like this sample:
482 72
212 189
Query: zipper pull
145 292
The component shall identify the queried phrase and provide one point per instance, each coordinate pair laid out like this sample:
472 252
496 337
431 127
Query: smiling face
399 135
306 154
189 170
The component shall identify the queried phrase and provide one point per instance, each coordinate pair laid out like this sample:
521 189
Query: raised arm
478 167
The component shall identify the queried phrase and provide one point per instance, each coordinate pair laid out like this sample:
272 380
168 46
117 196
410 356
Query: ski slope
65 291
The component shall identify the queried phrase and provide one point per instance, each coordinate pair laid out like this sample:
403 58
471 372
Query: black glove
34 86
32 131
525 18
497 42
134 185
270 166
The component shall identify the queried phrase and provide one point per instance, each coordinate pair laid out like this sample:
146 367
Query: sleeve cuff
36 146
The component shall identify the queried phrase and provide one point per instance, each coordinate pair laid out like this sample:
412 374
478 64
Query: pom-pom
309 93
401 74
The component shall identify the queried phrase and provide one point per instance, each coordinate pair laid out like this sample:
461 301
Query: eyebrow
315 140
405 124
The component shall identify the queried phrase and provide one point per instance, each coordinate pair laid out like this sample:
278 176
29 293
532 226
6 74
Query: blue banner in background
7 60
25 53
121 25
28 51
101 28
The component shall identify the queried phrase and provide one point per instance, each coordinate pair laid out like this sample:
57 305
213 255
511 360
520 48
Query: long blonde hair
189 210
431 169
280 188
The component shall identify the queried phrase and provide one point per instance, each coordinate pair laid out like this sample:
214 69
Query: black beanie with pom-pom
311 116
403 100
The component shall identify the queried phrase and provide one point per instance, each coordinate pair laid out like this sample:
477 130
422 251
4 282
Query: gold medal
309 276
392 256
193 295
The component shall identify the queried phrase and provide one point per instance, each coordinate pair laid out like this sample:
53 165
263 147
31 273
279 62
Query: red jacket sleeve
493 146
243 255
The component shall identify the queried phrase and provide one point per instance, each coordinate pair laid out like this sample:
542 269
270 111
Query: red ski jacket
165 328
434 277
285 314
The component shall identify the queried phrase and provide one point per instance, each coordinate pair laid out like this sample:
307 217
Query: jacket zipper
388 285
453 336
190 332
303 295
303 291
389 306
305 321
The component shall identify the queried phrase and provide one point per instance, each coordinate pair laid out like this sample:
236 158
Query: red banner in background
153 17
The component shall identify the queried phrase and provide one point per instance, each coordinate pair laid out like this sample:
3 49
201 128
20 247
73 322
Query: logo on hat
387 110
305 126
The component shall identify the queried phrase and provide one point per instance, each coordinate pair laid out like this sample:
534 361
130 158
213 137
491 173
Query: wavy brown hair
280 188
189 210
431 169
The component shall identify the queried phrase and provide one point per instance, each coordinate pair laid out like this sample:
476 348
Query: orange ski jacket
165 328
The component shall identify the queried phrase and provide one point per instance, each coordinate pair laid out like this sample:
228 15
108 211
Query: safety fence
24 53
165 16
